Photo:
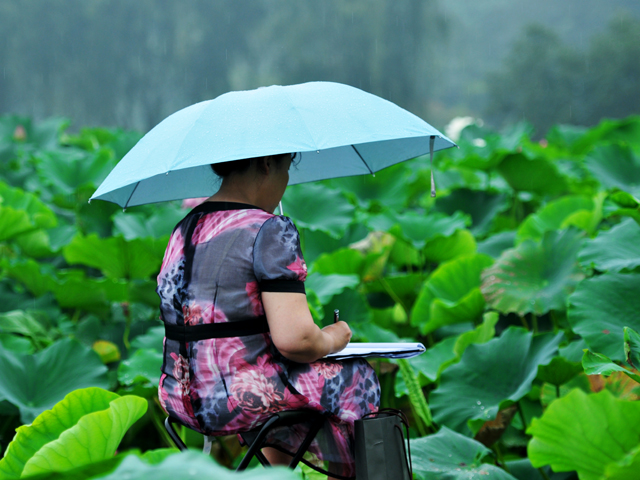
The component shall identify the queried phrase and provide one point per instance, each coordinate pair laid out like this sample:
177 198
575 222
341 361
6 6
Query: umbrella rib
365 163
130 196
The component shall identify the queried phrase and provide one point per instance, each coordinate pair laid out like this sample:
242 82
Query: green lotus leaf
598 364
428 365
86 426
536 175
496 244
67 170
153 339
353 307
612 427
15 343
417 228
327 286
116 257
388 187
614 166
317 207
559 371
401 288
25 324
535 276
451 294
142 367
614 249
160 223
557 215
625 468
601 307
447 352
443 249
481 206
449 455
631 347
22 212
191 465
624 130
36 382
624 199
344 261
491 376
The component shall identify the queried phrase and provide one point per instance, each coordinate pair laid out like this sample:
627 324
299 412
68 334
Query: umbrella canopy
336 129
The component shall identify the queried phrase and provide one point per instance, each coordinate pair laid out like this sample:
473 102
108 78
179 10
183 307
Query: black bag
380 448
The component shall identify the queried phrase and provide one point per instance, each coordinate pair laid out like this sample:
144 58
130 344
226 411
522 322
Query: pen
336 316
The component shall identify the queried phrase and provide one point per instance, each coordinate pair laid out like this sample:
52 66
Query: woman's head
260 181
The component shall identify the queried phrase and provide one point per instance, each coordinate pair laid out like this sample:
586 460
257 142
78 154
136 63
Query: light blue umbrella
337 130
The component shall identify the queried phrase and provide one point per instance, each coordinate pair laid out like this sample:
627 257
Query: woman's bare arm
295 334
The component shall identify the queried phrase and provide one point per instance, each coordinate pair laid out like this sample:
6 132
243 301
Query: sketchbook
384 350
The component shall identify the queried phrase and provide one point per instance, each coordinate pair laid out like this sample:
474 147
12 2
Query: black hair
225 169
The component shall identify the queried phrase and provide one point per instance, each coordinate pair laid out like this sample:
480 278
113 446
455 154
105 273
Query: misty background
131 63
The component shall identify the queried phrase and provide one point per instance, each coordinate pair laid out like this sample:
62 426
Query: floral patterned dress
220 258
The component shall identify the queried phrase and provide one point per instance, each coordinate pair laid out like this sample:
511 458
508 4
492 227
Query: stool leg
257 444
313 431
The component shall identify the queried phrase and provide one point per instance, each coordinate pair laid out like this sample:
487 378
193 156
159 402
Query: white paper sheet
385 350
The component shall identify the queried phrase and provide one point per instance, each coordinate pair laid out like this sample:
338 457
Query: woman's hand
340 333
295 334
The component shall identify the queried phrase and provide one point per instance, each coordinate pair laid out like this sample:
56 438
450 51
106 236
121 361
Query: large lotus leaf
25 324
388 187
443 249
139 225
327 286
417 228
153 339
632 347
22 212
614 166
447 352
344 261
535 276
601 307
451 456
67 170
84 427
36 382
427 366
117 257
611 426
491 376
353 307
451 294
624 469
316 242
16 343
318 207
142 367
598 364
496 244
480 205
559 371
191 464
557 215
625 130
536 175
401 288
614 249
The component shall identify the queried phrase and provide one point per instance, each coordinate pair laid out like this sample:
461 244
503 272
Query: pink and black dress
220 258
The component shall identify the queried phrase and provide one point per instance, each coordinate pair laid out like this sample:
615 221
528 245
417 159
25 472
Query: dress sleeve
277 258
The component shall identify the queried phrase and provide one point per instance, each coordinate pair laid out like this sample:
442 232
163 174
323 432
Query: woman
232 264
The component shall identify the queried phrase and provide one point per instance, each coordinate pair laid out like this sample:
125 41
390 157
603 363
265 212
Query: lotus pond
522 278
